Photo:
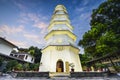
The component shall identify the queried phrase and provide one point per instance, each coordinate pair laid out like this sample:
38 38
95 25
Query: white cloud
11 29
42 26
85 2
21 37
85 16
31 36
19 5
35 38
19 43
23 19
33 17
37 21
26 36
80 9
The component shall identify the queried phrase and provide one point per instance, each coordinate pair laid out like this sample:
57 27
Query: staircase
59 74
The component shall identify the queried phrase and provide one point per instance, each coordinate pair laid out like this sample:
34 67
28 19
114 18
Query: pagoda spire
60 17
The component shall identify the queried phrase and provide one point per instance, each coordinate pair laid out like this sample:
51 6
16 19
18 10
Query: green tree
104 35
1 60
26 66
84 58
36 66
19 66
36 52
23 50
31 66
11 64
31 50
37 55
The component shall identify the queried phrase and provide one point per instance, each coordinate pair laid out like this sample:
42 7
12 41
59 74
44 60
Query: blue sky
25 22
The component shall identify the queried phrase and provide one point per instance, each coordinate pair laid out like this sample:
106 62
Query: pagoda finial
60 7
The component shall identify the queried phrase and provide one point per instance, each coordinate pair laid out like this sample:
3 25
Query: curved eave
60 22
60 15
59 32
49 47
52 21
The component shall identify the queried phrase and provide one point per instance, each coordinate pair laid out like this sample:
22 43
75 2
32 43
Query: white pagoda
60 53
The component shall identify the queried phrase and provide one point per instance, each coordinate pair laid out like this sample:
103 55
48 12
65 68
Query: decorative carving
60 48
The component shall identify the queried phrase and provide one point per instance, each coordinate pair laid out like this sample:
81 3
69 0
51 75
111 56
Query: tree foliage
36 52
1 60
11 64
19 67
84 58
26 66
104 35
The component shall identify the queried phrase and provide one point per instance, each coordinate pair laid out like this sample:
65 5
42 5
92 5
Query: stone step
59 74
60 78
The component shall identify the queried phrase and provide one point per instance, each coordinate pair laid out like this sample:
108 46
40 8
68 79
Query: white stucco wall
66 40
5 48
45 61
29 58
50 58
76 60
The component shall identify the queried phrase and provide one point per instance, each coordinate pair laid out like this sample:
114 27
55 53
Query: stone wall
30 74
88 74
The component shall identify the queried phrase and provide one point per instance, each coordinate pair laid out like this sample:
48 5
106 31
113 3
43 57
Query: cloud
31 36
85 16
24 36
42 26
35 38
81 9
33 17
19 5
37 21
19 43
11 29
23 19
85 2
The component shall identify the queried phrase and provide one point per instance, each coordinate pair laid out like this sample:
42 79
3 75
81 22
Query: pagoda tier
60 29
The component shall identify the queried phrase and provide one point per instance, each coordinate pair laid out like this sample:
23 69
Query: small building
24 56
6 47
111 60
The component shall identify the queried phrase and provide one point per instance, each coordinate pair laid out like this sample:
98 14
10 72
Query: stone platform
9 77
58 76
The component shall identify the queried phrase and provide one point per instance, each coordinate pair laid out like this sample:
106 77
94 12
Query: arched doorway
59 66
